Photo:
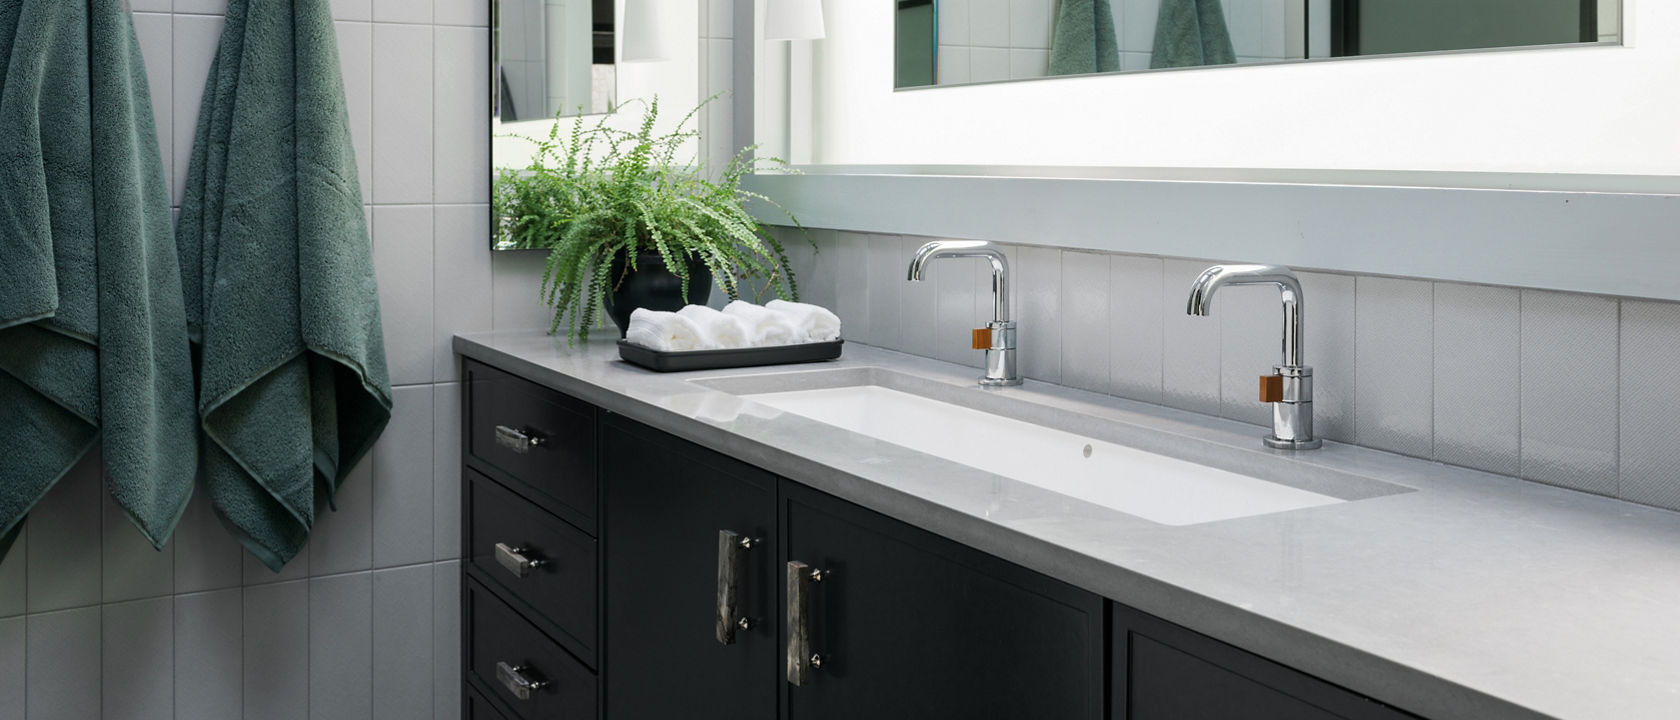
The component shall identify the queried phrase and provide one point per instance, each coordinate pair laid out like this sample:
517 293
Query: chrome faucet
1289 388
998 337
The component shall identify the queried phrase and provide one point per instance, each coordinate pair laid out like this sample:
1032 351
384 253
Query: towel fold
1083 40
717 329
278 277
765 327
815 322
93 340
1191 33
663 331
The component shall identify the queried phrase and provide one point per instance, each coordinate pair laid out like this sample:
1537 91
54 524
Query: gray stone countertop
1476 596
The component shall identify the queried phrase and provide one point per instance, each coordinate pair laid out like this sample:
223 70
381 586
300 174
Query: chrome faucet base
1000 382
1276 444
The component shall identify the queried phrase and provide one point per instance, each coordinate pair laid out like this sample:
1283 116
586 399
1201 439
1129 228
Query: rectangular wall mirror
960 42
552 58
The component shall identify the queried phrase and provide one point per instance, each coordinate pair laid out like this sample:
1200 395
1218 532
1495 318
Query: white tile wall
1572 390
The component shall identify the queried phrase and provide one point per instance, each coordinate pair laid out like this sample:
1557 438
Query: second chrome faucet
1289 387
998 337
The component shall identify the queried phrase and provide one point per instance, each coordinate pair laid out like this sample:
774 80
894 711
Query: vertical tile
64 540
402 258
14 576
1569 390
1190 350
1251 343
210 7
1138 25
341 647
918 302
516 285
461 142
1478 384
1028 64
209 660
362 10
1650 387
474 13
720 19
1038 299
956 314
132 568
1328 317
461 274
953 21
142 7
1029 23
851 284
402 109
63 668
446 471
1134 327
276 651
1085 304
1393 344
402 11
446 638
816 273
355 59
156 36
885 278
14 640
342 539
138 658
195 40
988 23
988 64
254 572
953 61
402 643
207 556
402 482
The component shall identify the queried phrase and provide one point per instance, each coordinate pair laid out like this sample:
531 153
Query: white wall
1587 109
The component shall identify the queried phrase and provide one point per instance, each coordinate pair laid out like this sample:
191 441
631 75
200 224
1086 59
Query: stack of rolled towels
739 324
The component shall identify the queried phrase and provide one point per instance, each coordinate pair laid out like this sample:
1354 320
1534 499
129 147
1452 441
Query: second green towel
279 280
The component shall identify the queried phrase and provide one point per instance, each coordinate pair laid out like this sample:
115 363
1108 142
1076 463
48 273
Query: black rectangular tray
662 361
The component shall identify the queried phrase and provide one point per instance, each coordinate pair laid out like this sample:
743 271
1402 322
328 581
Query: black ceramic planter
652 285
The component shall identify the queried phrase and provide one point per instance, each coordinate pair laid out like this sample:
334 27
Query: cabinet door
906 624
667 502
1165 672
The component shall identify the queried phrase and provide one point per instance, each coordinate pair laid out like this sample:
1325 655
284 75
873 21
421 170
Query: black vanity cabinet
691 559
889 621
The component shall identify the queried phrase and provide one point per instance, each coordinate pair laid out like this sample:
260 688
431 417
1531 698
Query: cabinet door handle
801 587
518 680
732 549
518 561
518 440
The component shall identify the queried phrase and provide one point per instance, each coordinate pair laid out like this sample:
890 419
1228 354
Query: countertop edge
1355 669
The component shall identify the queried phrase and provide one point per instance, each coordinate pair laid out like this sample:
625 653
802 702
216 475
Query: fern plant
600 192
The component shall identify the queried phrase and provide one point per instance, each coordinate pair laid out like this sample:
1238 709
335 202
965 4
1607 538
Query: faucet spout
969 249
1289 388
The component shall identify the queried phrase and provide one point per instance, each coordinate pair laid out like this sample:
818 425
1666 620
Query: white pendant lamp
643 35
793 20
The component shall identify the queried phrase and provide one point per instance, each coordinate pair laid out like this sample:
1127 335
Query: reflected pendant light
793 20
644 34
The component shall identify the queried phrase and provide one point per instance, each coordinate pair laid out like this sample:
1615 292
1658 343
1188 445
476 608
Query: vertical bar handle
732 549
801 587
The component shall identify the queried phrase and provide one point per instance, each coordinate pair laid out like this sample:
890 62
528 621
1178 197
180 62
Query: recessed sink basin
1151 485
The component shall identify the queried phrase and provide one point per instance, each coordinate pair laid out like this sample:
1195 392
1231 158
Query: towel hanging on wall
1191 33
278 276
93 340
1083 40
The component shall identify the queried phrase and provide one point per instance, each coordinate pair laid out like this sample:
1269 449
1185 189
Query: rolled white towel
717 329
666 331
765 327
814 321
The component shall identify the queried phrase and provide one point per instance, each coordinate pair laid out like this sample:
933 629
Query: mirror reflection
957 42
552 58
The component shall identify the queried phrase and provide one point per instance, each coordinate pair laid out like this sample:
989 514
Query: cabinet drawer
504 651
536 438
546 565
479 708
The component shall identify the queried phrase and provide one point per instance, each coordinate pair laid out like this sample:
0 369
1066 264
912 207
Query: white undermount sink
1156 487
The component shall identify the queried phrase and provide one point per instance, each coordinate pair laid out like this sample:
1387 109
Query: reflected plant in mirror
552 58
958 42
630 219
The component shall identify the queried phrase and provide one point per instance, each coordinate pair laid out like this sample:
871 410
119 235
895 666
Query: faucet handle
983 339
1271 388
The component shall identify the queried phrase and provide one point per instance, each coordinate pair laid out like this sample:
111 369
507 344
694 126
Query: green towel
1191 33
278 274
93 339
1083 41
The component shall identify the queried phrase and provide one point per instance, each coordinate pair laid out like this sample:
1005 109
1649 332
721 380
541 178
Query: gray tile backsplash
1568 389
